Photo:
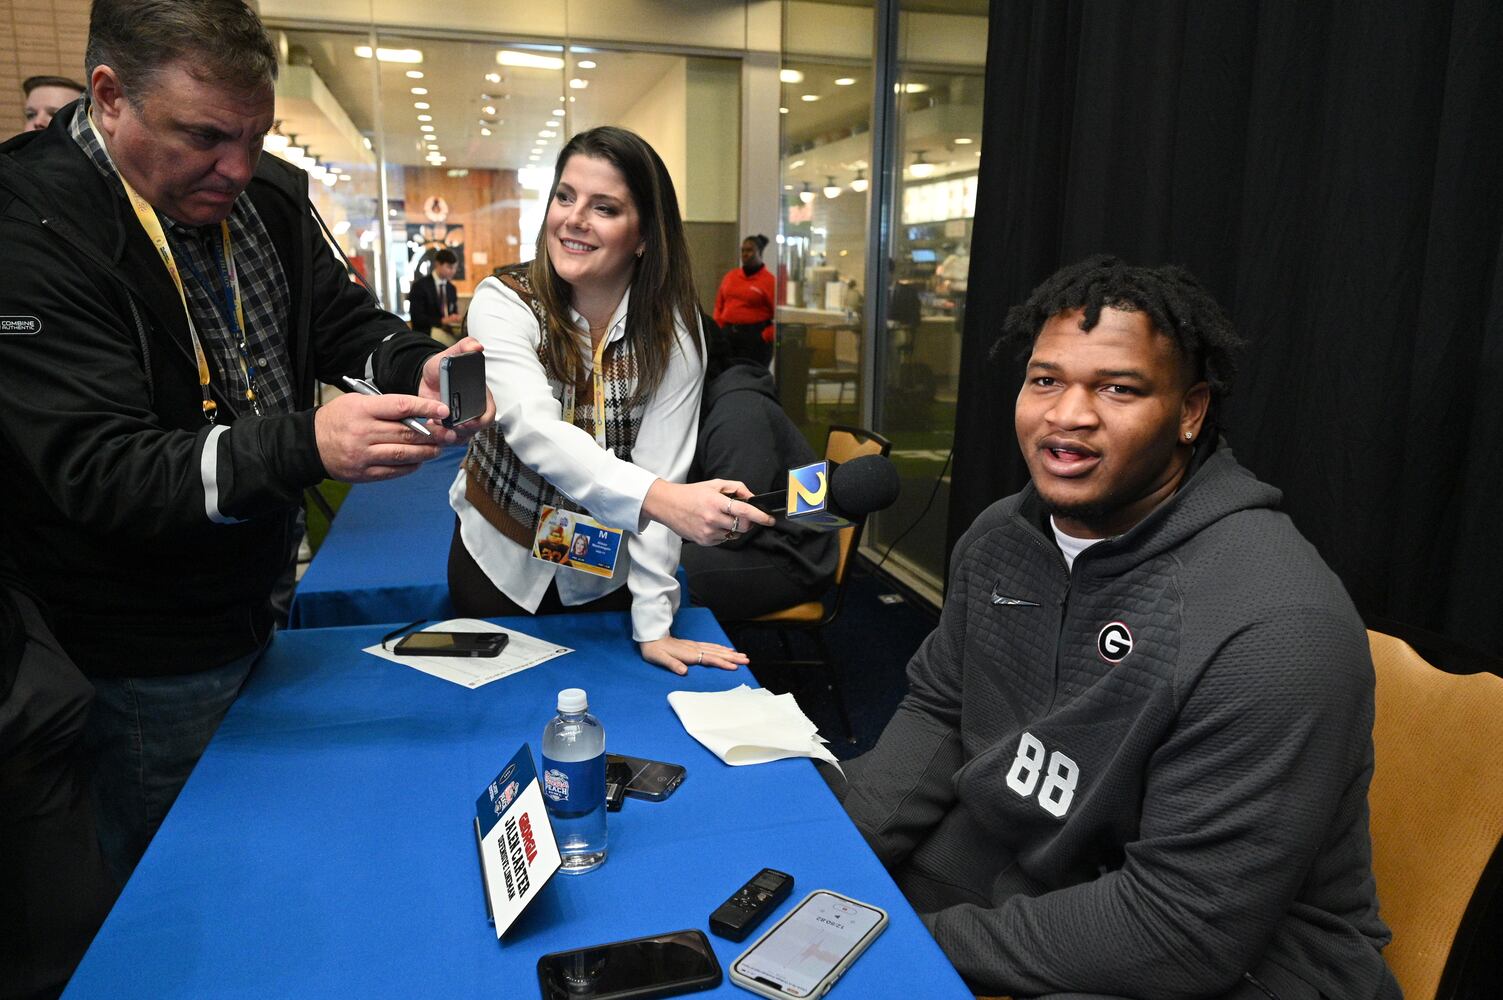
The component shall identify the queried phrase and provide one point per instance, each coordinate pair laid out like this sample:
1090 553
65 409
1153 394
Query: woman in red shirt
744 304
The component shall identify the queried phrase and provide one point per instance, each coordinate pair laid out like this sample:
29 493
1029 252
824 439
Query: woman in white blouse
594 355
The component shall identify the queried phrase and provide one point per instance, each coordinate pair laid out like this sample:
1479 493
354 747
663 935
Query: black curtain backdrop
1333 173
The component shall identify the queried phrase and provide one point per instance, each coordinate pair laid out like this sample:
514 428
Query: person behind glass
744 305
595 347
745 435
45 96
434 299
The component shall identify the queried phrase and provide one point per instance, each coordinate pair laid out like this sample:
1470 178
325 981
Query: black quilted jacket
1144 777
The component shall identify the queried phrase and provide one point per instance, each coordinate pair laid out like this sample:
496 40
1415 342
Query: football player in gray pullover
1134 755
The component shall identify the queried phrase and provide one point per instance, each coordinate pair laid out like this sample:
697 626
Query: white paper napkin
749 725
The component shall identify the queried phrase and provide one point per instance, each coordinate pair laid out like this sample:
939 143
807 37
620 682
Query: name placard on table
517 851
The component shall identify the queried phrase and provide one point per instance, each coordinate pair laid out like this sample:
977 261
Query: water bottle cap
572 700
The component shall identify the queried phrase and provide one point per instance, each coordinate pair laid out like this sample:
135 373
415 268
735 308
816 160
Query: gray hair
221 40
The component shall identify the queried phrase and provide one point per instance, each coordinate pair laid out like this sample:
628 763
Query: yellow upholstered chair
1437 808
841 445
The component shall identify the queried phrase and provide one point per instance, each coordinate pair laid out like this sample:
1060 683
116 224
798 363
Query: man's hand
429 390
706 513
361 439
678 655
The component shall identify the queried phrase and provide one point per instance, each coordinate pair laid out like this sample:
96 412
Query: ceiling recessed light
485 131
964 140
425 128
573 99
425 118
414 74
493 78
489 109
551 123
421 105
782 111
790 76
558 111
845 81
795 164
578 84
391 55
547 133
586 64
914 88
419 91
528 60
809 98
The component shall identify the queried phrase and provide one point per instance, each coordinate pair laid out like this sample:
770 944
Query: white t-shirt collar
1069 544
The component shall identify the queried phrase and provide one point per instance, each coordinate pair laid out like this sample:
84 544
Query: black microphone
834 495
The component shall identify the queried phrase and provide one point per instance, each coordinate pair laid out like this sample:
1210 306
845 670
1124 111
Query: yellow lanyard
598 378
147 216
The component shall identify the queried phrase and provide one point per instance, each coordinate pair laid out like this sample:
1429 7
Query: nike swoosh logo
1016 602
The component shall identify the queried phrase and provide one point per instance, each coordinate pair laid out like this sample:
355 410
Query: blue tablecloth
323 845
386 556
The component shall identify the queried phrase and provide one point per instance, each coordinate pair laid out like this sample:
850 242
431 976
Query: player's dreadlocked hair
1173 300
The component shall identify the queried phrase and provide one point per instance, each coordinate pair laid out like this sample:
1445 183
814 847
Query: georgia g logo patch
1114 642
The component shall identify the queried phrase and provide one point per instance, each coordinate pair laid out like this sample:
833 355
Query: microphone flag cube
809 497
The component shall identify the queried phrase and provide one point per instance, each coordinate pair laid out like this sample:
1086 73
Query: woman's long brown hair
662 288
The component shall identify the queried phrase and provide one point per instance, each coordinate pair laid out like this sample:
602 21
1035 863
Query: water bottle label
574 787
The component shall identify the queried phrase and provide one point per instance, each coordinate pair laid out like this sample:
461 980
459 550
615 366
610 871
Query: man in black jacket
52 877
172 305
1134 755
745 435
434 300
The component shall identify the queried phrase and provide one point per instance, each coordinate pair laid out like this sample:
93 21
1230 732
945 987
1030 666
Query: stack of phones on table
640 778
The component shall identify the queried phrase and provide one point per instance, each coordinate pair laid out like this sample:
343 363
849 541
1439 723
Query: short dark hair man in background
45 96
156 398
1135 753
434 299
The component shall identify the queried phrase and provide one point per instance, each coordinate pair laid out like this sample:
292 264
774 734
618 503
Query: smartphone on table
650 779
451 644
661 965
803 954
461 386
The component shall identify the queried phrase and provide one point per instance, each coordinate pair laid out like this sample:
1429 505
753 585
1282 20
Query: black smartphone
662 965
461 385
617 775
650 779
775 502
451 644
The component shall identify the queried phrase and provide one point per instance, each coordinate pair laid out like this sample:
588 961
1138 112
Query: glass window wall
939 84
826 110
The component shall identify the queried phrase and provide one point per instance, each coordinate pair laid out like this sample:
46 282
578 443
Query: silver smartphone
805 952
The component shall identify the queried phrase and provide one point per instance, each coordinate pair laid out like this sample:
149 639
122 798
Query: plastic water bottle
574 782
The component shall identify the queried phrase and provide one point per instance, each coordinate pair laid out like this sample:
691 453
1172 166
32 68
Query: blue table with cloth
386 557
323 845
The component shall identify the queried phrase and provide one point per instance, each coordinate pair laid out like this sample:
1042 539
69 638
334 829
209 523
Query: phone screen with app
797 954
